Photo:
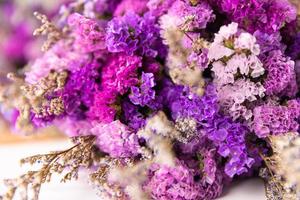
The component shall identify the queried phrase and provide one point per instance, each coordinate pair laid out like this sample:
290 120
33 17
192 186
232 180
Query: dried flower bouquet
165 99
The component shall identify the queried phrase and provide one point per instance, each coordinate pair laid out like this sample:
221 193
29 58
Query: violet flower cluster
181 88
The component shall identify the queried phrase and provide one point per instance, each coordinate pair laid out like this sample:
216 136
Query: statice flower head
281 73
138 7
172 183
145 93
132 116
116 139
103 109
269 42
78 93
294 107
159 7
185 104
120 73
239 64
275 120
230 139
229 39
89 35
179 182
192 17
237 70
127 34
266 16
233 96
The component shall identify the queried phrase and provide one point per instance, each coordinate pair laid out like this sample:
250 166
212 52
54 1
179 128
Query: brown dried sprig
35 93
99 178
283 179
29 98
47 28
11 96
273 184
66 162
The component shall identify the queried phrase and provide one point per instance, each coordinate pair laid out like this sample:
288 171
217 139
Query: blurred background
18 47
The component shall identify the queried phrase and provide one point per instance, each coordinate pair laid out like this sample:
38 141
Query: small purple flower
145 93
280 74
132 116
159 7
274 120
172 183
230 138
138 7
89 35
116 139
184 104
127 34
266 16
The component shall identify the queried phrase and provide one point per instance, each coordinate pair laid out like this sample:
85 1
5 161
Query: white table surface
10 155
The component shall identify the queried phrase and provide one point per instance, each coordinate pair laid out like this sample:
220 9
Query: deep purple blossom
266 16
269 42
183 103
127 34
132 116
145 93
230 138
78 93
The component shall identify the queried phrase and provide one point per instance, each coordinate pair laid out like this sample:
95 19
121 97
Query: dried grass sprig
31 98
11 96
53 33
35 93
100 180
283 174
80 155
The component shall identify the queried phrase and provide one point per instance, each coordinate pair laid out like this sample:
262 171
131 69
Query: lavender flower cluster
184 89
